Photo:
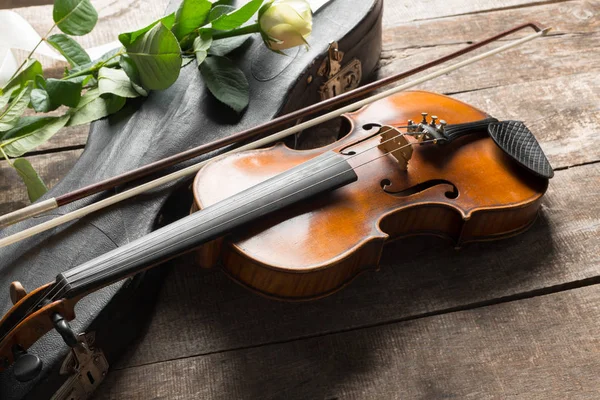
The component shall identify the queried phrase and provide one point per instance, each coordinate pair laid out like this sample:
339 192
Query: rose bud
285 23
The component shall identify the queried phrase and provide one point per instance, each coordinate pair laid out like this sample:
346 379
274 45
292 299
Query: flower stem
6 157
31 53
96 67
245 30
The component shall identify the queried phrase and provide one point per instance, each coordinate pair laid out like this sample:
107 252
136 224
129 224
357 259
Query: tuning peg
17 292
26 366
443 125
424 114
433 120
64 329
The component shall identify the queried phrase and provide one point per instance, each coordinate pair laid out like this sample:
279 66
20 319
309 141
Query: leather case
344 50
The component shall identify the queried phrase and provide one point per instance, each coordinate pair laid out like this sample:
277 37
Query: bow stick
53 203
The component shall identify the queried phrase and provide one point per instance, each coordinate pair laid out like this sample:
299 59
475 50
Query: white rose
285 23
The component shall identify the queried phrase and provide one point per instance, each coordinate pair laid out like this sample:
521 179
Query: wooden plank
397 12
202 312
544 58
51 167
546 347
571 17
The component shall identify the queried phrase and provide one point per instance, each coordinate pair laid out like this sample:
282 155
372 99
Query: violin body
467 190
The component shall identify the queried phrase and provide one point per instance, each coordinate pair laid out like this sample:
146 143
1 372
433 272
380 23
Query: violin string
218 208
212 211
53 291
274 201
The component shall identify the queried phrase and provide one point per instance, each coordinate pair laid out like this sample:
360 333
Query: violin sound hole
370 126
387 187
344 151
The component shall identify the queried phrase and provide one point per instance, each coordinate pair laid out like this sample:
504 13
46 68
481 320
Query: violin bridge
395 143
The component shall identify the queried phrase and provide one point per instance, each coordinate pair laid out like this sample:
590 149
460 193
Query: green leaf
127 65
201 45
74 17
226 82
190 15
238 17
132 72
70 49
35 186
40 101
93 106
157 56
28 73
128 38
115 81
222 47
6 95
39 82
10 116
31 132
63 92
219 10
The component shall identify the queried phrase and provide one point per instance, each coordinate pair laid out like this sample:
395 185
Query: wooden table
519 318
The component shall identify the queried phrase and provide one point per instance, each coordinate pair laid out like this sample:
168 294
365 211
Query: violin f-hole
367 127
387 185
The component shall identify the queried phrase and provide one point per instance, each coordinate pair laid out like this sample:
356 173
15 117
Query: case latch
340 78
87 366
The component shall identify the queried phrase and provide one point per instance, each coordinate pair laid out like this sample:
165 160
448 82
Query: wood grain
570 17
398 12
545 347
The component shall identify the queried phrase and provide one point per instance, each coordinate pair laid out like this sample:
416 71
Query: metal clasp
87 366
340 79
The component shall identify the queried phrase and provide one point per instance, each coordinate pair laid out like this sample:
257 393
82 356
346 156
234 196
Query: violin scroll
33 315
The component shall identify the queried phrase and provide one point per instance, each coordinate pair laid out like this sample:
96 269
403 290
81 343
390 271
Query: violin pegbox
394 142
427 132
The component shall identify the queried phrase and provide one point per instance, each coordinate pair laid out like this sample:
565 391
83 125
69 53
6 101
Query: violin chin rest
516 140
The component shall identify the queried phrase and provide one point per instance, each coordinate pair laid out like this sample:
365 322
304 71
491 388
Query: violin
461 186
299 225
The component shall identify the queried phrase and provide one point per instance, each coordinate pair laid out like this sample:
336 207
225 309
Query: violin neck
321 174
